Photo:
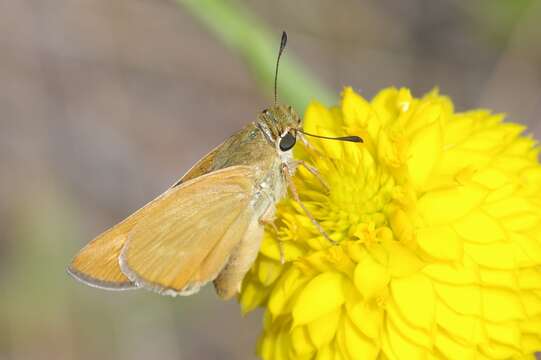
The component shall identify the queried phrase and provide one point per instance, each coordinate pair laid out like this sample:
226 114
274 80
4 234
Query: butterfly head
280 124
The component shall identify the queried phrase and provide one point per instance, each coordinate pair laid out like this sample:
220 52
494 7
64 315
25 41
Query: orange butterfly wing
188 241
97 263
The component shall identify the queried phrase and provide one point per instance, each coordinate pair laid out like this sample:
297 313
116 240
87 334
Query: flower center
359 197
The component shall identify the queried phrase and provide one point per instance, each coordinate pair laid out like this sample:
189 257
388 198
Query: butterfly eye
287 142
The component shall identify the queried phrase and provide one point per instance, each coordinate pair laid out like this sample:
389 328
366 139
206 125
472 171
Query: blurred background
104 104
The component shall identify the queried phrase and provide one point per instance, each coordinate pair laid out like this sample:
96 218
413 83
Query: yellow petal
491 178
357 345
454 159
424 153
532 176
485 141
530 244
252 296
404 99
354 249
385 104
317 115
400 347
512 163
521 222
464 299
464 327
427 114
271 249
339 260
530 343
498 278
402 260
505 333
402 227
323 329
282 345
268 270
411 294
389 151
387 352
355 109
531 325
532 304
498 351
325 353
440 242
265 346
446 206
509 206
320 120
452 349
496 256
412 333
452 274
300 340
321 295
529 278
459 128
370 277
479 227
497 195
284 290
366 317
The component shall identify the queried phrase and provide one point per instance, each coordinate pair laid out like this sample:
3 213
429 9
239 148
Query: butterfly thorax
258 145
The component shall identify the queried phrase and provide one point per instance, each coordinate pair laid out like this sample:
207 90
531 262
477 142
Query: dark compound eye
287 142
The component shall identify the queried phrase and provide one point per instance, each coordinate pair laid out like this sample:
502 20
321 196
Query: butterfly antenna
283 43
355 139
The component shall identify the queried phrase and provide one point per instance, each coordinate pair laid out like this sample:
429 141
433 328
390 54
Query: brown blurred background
103 104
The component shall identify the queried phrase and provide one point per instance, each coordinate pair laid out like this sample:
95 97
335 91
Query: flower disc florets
438 222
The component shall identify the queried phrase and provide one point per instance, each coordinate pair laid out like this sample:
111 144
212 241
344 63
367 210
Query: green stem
235 27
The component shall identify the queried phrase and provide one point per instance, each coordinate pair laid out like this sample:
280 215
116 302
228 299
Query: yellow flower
438 219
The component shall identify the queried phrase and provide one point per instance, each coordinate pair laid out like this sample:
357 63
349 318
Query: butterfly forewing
186 241
97 263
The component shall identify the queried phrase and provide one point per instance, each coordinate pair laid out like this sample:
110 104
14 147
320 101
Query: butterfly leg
308 145
295 194
306 142
314 172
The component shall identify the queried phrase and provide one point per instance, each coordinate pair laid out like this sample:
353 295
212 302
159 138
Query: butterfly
208 226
